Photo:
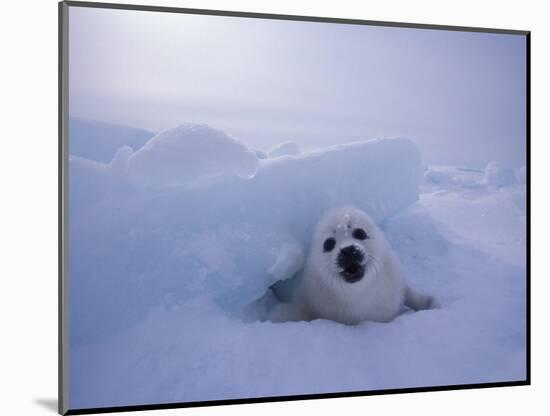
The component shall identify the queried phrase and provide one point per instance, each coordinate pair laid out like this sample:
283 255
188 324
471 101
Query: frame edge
63 136
275 16
63 347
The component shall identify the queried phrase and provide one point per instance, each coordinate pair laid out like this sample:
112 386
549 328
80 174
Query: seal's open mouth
353 272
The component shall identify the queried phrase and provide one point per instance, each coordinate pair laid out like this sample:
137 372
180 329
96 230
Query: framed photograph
265 207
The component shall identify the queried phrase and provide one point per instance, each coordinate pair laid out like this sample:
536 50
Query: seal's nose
350 255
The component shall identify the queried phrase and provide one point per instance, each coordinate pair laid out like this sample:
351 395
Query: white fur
323 293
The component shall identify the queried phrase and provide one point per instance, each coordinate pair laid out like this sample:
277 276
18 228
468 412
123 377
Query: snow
165 280
190 155
497 174
284 149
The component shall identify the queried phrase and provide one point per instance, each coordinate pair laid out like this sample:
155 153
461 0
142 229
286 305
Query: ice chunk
260 154
379 176
283 149
452 178
88 182
119 164
437 177
189 155
228 242
289 259
91 182
499 175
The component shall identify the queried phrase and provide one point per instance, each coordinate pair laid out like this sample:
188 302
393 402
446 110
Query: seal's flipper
418 301
287 312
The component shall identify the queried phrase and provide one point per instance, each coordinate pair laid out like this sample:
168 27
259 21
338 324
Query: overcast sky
460 95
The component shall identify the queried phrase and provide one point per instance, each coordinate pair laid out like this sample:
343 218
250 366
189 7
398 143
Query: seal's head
346 245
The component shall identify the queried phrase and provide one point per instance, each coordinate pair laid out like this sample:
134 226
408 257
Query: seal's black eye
360 234
329 244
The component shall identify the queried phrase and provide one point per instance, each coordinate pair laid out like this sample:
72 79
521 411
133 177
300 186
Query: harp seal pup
351 275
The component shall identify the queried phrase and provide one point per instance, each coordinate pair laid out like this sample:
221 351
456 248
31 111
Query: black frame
63 377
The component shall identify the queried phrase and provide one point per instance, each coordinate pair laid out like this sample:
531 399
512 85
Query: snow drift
190 154
162 274
195 351
133 246
437 177
284 149
499 175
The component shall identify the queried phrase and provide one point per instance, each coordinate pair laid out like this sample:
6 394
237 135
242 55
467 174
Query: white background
28 187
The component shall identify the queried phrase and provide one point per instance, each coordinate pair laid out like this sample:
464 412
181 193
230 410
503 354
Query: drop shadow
49 404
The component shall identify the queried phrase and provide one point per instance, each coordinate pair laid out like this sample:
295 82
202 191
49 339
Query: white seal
351 275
